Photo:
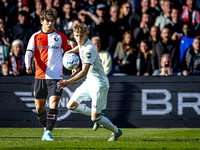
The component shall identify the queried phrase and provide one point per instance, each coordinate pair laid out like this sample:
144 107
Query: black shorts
44 88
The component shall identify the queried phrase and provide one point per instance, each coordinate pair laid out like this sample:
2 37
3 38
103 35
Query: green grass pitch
86 138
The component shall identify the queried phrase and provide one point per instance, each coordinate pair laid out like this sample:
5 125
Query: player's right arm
29 54
28 57
74 50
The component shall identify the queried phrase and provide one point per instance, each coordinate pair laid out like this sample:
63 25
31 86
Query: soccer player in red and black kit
47 46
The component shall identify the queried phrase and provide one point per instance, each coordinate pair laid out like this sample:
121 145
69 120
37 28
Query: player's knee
71 107
96 119
39 110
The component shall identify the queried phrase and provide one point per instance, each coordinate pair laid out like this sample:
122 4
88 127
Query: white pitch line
53 136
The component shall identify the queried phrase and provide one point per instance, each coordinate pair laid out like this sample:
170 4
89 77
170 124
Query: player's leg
40 93
40 111
99 101
107 124
54 97
80 108
74 104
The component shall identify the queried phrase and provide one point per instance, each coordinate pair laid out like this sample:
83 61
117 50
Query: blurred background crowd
133 37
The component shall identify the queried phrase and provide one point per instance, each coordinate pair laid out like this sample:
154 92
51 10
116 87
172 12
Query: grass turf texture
86 138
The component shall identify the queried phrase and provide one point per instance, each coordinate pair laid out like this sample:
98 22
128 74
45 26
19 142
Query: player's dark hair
45 13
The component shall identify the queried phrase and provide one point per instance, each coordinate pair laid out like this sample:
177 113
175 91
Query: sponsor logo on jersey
48 47
88 55
39 39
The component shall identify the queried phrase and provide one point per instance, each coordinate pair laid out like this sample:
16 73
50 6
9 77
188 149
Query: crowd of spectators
133 37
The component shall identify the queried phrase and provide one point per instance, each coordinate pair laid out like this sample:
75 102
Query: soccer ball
70 61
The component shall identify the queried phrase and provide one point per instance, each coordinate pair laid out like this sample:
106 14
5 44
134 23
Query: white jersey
96 77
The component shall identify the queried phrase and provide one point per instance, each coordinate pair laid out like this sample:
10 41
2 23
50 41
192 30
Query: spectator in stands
191 60
75 5
26 9
57 4
35 16
87 18
22 30
73 43
164 18
186 40
165 45
6 69
48 4
143 63
142 32
65 22
162 8
166 63
125 11
154 36
91 6
9 13
175 25
4 37
99 29
115 28
104 55
190 13
133 3
25 5
145 8
124 55
17 58
4 46
154 5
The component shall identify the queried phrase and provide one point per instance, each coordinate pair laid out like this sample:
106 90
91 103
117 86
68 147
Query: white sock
48 131
83 109
106 123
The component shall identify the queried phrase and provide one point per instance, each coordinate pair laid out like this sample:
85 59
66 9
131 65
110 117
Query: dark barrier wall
133 102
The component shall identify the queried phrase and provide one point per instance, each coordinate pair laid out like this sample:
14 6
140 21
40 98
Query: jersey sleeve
31 44
65 43
89 55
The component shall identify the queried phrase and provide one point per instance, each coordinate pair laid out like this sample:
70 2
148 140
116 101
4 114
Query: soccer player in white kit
95 86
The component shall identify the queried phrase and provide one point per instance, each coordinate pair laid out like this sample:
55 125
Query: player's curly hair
80 28
51 11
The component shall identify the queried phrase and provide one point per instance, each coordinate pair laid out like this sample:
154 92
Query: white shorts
99 98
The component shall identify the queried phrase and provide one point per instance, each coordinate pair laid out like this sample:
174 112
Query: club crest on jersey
56 39
88 55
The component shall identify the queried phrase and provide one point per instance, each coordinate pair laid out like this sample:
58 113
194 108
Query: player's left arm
78 76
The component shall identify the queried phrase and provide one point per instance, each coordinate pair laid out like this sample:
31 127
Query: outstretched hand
62 84
75 71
